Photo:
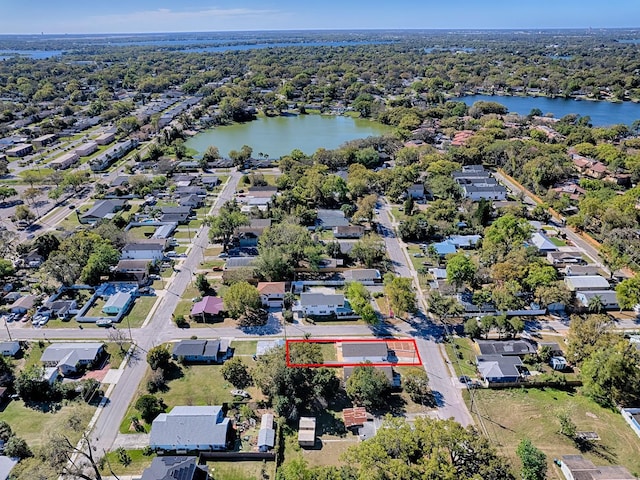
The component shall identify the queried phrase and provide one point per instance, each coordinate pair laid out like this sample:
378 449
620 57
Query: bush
288 316
157 381
149 407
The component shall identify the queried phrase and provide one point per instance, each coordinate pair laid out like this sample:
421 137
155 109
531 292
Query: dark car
464 379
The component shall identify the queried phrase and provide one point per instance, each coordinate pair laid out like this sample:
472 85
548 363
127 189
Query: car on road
223 255
30 236
72 207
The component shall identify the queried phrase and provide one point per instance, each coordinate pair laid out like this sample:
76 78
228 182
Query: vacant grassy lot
241 470
137 314
138 463
244 348
462 353
117 354
510 415
142 232
33 425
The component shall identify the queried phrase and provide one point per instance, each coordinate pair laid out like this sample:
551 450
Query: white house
607 297
312 303
191 428
67 356
272 293
143 251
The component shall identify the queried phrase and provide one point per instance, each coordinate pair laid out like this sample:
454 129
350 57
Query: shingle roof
117 300
267 288
188 426
58 351
209 305
506 347
498 366
174 468
310 298
364 349
586 281
103 208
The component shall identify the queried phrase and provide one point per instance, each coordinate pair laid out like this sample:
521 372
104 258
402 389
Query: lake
601 113
37 54
278 136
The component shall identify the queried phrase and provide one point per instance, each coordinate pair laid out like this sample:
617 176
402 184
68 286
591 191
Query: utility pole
7 327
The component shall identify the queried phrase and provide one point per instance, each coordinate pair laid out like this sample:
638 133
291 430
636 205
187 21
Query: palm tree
596 305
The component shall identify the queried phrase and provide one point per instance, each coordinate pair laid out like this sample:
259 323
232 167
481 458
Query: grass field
33 425
244 348
96 308
140 233
241 470
198 385
136 316
510 415
463 357
138 463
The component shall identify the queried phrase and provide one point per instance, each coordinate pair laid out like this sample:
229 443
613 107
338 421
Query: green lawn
141 232
33 425
136 316
463 357
33 354
557 242
244 347
198 385
241 470
180 249
399 216
138 463
117 354
513 414
183 308
96 308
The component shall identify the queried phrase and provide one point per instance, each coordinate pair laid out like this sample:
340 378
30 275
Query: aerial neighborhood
441 280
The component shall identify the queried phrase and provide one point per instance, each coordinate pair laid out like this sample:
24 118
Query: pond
601 113
278 136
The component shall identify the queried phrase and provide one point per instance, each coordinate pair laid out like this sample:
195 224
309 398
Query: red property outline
352 340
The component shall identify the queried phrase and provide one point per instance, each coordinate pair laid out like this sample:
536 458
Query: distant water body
601 113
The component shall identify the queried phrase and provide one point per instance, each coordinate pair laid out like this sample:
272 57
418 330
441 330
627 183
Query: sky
138 16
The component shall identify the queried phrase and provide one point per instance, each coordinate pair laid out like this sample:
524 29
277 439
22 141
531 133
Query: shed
558 363
354 417
307 432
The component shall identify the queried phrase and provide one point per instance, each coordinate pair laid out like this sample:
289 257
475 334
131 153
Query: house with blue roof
444 248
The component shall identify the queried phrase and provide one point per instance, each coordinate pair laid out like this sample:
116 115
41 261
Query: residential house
319 304
66 357
362 351
580 270
153 252
607 298
329 219
561 259
32 259
191 429
209 181
102 209
266 434
59 308
23 304
9 349
585 283
175 468
499 368
165 231
542 243
477 192
416 191
132 270
272 294
118 303
354 417
116 152
191 201
362 275
597 170
307 432
201 351
248 235
444 248
348 231
105 138
576 467
207 307
464 241
507 347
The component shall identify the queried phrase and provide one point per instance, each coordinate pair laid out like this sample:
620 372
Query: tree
610 375
595 305
24 214
359 299
99 263
239 297
567 426
441 449
6 269
224 225
368 386
236 372
17 447
45 244
370 251
471 328
586 336
211 154
274 265
293 241
149 407
123 456
7 192
628 292
366 208
202 284
416 384
30 385
503 235
443 307
5 431
534 461
401 294
159 357
460 270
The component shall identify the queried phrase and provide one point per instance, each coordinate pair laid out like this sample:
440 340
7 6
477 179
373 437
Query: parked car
240 393
104 322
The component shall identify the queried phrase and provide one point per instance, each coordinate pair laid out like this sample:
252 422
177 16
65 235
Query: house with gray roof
542 243
329 219
506 347
362 275
191 429
584 283
608 298
175 468
103 209
266 435
66 357
9 349
202 351
312 303
152 252
361 352
499 368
